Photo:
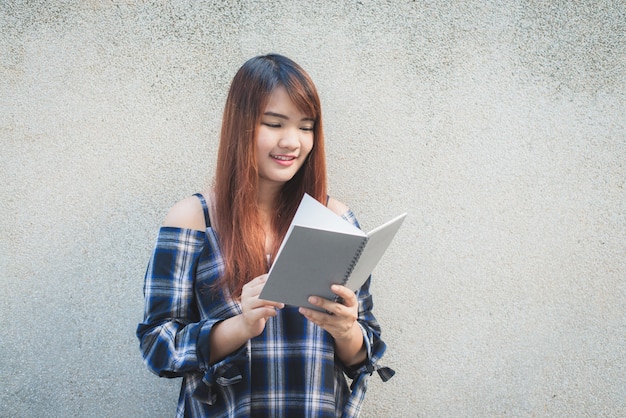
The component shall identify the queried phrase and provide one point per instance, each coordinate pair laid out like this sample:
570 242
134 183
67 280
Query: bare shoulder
337 207
187 213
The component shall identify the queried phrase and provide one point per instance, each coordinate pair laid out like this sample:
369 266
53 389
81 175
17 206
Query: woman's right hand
232 333
255 311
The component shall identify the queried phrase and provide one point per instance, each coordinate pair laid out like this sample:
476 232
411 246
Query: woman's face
284 139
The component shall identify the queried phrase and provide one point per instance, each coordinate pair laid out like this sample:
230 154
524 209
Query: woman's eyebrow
276 115
281 116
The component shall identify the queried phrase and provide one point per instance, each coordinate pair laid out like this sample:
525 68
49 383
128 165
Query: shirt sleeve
173 339
374 345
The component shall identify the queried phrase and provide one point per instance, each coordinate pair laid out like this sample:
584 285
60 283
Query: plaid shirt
289 370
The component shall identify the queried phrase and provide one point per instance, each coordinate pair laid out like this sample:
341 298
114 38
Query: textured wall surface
499 126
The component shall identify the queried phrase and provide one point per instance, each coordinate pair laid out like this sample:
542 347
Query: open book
320 249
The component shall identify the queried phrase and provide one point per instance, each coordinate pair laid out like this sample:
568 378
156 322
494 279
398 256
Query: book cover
321 249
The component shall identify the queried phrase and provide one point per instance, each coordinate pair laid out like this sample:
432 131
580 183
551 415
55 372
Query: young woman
240 355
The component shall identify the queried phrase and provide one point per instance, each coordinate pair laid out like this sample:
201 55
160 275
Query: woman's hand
232 333
340 321
255 311
343 316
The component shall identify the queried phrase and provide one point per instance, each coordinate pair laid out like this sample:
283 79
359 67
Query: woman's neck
266 199
266 204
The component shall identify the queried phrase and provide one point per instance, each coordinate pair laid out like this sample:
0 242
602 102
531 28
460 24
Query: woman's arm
172 333
171 274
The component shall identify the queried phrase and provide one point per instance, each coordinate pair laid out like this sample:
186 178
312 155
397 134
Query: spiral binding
354 261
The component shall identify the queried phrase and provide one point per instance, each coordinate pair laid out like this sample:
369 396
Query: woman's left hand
344 315
340 321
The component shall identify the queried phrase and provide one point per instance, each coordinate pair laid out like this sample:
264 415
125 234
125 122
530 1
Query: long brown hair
241 235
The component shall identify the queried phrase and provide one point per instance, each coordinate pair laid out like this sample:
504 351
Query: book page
313 214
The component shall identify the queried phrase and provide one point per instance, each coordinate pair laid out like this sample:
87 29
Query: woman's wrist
349 335
227 336
350 348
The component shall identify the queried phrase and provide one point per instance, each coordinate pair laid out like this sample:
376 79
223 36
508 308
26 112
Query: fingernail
312 299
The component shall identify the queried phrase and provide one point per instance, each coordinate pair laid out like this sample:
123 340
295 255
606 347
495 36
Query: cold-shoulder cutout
186 214
336 206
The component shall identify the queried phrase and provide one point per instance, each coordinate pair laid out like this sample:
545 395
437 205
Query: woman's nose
289 138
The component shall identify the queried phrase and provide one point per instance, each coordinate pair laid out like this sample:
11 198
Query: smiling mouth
283 157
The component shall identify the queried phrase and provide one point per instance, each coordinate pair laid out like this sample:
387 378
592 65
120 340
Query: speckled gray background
499 126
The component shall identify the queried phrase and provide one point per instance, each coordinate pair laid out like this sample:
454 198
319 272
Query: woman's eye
271 124
307 128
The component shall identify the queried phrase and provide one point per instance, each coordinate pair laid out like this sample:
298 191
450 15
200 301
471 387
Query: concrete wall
499 126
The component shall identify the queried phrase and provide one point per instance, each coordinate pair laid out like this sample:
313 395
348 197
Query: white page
313 214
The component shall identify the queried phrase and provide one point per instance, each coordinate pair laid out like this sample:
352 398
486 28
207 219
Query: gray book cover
322 249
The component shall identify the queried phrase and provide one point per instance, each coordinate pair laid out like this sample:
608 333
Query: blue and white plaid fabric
290 370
